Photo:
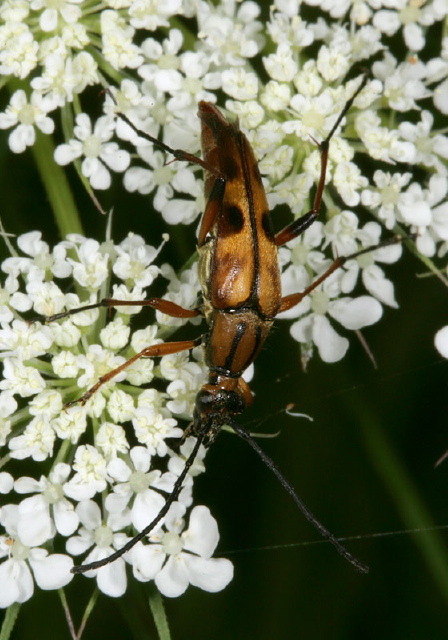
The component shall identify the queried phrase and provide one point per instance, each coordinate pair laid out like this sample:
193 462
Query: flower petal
332 347
202 535
210 575
51 572
16 583
441 341
112 579
356 313
172 581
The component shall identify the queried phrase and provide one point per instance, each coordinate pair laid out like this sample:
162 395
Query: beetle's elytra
241 291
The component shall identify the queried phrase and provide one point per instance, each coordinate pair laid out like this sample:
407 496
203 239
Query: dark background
364 465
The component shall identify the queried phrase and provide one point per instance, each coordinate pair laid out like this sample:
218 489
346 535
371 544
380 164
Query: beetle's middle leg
290 301
154 351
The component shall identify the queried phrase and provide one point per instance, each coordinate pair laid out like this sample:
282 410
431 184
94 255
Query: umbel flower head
96 473
45 365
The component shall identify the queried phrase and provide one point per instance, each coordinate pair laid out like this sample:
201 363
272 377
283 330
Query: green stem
403 492
159 614
57 187
9 621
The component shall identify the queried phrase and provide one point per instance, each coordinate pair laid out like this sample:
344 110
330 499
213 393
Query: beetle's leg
217 192
290 301
165 306
296 227
155 351
179 154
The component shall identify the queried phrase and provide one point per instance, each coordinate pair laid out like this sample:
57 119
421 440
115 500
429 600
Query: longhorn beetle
241 291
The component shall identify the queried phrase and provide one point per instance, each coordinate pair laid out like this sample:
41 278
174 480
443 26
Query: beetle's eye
234 402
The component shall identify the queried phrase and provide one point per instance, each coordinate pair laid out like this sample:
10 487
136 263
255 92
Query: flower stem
159 614
9 621
403 492
57 187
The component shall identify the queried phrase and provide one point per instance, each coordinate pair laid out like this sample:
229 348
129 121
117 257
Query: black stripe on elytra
257 341
239 333
250 199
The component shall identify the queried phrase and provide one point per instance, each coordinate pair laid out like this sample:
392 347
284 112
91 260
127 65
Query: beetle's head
214 408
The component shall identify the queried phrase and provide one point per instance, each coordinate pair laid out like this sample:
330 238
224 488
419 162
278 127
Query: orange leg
298 226
165 306
290 301
155 351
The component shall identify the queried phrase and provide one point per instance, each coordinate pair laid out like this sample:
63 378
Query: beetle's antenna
242 433
162 513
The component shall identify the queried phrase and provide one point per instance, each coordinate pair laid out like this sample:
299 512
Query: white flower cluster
294 102
117 445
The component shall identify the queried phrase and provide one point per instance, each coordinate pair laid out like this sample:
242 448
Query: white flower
152 429
348 181
135 484
25 341
229 33
281 65
115 335
91 474
403 83
410 16
37 441
111 579
111 439
134 261
351 313
41 515
178 558
426 210
49 17
441 341
240 84
163 68
311 115
118 48
70 425
151 14
25 562
431 149
62 77
6 482
18 55
24 116
386 197
98 152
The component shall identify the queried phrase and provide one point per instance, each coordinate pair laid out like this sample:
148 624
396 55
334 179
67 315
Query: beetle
241 291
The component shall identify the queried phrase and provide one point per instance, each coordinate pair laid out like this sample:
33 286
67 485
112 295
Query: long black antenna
242 433
162 513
